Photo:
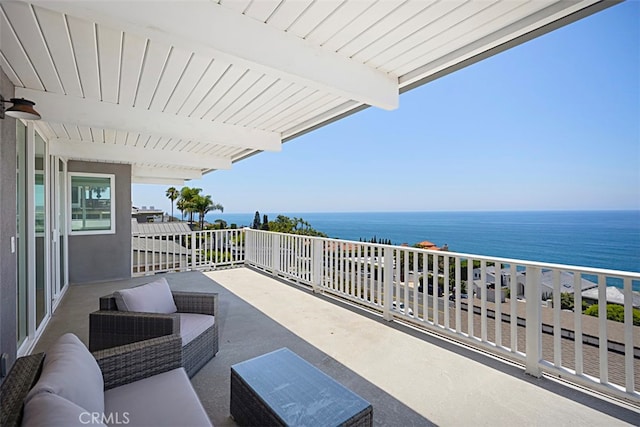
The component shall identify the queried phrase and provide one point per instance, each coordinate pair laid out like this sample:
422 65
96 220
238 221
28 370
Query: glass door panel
39 193
21 224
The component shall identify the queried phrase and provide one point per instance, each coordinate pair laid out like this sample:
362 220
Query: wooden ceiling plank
245 82
235 5
152 68
283 107
456 17
337 22
54 28
262 10
133 49
87 112
174 70
419 21
272 96
83 40
486 36
341 108
287 13
396 19
314 16
216 92
247 99
109 54
109 136
85 133
15 55
194 72
9 71
371 15
207 81
205 27
325 104
26 27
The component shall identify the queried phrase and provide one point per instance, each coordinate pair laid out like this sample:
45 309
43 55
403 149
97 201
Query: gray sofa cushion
193 324
70 371
51 410
154 297
166 399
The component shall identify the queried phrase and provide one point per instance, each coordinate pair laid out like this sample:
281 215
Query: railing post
193 250
247 245
387 284
275 254
534 326
316 259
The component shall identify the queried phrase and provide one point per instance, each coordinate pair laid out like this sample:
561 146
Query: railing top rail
525 263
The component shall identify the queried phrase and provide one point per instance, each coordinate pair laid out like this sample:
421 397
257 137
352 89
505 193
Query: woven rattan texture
132 362
13 390
110 328
248 409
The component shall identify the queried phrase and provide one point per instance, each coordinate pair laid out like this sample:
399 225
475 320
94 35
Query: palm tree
186 200
203 205
172 194
181 207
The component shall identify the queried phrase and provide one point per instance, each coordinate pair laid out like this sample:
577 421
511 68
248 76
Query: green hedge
614 312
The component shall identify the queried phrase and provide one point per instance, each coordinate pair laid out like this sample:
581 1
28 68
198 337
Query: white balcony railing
161 252
446 293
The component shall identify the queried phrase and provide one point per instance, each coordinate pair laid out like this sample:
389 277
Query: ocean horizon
599 239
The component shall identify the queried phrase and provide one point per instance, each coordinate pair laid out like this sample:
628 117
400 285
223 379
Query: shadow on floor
588 398
245 332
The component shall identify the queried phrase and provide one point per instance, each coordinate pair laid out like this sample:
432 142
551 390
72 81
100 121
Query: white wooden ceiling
178 89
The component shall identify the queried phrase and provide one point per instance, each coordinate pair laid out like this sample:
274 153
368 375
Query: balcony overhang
227 80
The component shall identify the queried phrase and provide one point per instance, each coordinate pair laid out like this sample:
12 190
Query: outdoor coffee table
280 388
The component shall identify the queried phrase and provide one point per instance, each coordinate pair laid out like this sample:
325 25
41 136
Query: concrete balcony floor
411 378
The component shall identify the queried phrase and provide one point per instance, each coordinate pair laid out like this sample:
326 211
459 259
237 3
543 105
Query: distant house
151 246
490 272
614 296
546 279
490 280
425 244
144 214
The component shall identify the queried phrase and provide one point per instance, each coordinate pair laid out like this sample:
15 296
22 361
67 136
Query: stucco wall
101 257
8 269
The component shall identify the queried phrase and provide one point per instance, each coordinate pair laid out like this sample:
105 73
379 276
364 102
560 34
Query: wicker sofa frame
119 365
109 327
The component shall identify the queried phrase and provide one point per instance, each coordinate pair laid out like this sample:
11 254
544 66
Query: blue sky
551 124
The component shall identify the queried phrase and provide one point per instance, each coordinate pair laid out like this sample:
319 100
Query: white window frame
112 184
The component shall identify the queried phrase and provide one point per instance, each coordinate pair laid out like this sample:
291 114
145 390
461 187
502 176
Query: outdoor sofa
153 310
140 384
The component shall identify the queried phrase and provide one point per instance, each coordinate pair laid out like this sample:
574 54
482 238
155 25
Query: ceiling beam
213 30
58 108
173 173
98 151
161 181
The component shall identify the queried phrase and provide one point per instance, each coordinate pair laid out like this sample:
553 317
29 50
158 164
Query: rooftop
410 377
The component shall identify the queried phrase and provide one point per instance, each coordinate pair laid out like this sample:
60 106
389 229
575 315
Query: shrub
615 312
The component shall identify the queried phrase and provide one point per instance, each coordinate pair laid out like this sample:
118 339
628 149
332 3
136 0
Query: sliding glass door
41 230
58 227
40 234
21 233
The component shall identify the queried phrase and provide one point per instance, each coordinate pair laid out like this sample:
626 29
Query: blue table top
299 393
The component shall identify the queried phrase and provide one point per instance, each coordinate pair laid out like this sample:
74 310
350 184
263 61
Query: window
92 204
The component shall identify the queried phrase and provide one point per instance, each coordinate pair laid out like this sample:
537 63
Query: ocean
602 239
